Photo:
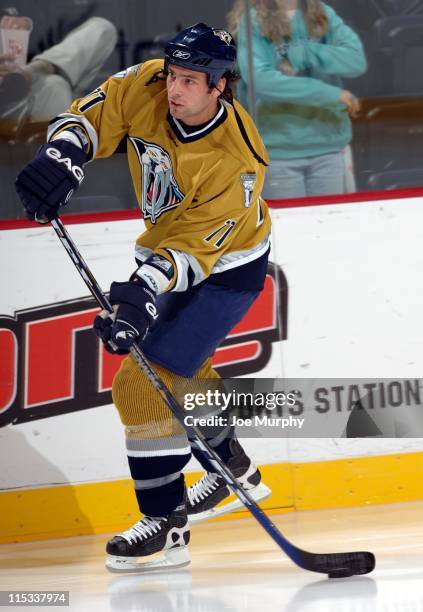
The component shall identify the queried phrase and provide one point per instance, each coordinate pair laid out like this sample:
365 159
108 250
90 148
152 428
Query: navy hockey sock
161 501
222 449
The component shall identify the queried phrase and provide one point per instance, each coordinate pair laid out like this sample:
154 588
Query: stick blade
342 565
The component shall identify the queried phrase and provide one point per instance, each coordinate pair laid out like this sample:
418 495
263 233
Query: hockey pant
157 446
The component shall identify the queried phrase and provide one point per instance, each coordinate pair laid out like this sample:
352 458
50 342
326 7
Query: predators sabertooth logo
159 190
224 36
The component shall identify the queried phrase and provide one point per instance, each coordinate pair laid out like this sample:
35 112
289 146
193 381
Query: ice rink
236 566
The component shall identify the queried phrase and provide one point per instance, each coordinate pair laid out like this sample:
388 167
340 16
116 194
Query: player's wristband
157 272
76 136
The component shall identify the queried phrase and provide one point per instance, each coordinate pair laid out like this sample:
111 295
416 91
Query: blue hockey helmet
204 49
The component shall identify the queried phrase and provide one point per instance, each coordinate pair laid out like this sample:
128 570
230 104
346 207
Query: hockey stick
336 565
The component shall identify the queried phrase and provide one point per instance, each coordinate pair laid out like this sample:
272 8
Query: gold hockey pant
157 445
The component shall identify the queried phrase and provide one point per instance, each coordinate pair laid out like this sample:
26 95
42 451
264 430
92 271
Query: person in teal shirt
301 51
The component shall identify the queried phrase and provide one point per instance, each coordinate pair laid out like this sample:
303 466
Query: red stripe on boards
123 215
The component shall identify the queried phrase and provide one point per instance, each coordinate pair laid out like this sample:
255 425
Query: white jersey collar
185 136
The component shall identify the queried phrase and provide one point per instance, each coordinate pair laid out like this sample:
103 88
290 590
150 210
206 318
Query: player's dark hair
227 94
231 78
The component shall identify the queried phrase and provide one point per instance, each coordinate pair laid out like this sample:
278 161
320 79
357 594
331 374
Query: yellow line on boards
107 507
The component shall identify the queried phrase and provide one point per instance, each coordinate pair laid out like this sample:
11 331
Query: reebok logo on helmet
181 54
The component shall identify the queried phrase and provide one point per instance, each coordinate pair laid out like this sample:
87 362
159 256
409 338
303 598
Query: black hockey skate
205 495
168 534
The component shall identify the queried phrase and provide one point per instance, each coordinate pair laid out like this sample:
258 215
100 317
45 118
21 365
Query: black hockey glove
134 305
47 182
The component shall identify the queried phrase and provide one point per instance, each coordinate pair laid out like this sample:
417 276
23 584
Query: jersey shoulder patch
130 70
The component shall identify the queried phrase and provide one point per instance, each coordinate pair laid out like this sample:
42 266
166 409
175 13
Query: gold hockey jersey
199 192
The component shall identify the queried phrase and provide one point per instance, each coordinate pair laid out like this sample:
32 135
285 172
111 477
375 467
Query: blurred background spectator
47 85
388 133
387 142
301 50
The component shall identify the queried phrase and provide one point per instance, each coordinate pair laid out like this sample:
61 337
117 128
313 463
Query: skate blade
173 558
259 493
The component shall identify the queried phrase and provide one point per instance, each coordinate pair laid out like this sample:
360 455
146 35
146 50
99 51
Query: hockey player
198 165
